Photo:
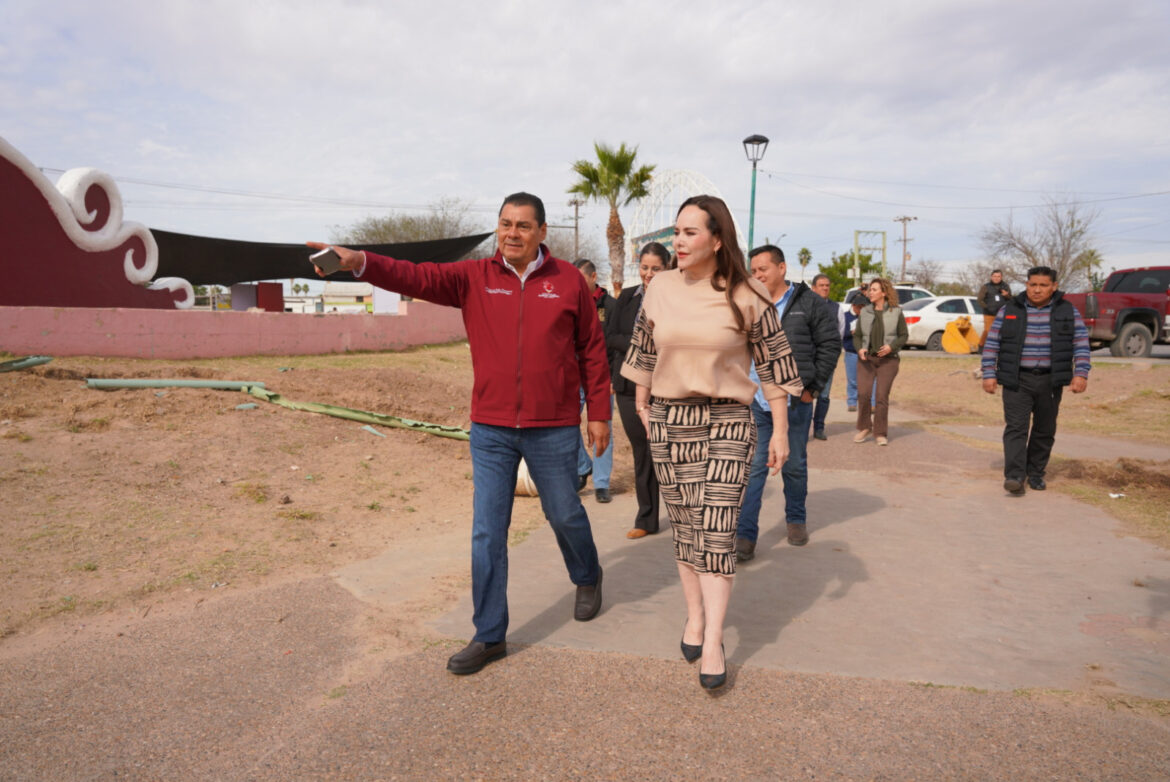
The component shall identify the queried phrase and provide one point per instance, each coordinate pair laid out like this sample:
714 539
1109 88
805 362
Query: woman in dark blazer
653 259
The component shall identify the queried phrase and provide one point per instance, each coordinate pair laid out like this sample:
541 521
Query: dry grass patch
1145 506
1150 707
1123 400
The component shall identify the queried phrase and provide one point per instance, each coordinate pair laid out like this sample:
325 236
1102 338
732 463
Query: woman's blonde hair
888 290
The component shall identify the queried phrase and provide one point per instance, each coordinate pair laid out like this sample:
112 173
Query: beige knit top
686 343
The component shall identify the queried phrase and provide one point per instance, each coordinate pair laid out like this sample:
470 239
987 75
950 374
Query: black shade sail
202 260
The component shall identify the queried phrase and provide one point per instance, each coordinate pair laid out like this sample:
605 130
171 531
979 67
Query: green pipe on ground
24 363
223 385
258 390
363 416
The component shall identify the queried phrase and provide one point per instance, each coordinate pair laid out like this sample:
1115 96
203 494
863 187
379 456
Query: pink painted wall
178 334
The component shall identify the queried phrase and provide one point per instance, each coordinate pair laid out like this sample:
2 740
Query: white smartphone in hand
327 260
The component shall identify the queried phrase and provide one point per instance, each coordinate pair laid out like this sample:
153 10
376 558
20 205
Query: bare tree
973 275
1060 238
926 273
444 219
560 245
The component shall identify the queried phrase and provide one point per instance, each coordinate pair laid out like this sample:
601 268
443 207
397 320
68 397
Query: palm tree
613 179
804 256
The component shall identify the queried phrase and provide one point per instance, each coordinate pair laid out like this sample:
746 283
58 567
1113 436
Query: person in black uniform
653 259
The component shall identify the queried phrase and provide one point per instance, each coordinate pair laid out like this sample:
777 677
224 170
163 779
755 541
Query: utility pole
905 255
576 203
872 247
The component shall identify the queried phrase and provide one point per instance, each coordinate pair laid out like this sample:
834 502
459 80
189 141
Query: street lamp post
754 147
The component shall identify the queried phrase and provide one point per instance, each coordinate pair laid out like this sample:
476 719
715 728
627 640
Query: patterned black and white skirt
702 450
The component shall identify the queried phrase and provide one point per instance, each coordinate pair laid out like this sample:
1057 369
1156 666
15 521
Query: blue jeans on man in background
495 456
602 467
794 472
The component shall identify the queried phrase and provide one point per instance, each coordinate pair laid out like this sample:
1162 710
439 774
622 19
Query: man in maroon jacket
535 341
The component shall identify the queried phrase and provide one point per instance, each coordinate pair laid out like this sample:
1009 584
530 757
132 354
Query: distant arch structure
654 215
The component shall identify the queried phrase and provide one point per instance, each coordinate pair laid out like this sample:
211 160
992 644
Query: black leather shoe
582 480
1014 487
713 681
691 652
475 656
820 435
745 550
602 495
1037 483
588 600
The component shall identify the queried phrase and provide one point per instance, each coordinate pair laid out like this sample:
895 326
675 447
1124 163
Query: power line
939 187
274 196
771 174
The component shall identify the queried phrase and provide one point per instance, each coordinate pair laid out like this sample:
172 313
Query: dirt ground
172 607
122 499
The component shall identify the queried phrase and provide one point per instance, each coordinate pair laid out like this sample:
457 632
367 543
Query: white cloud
404 103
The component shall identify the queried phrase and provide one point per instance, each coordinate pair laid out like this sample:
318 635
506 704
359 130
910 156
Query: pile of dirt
1126 474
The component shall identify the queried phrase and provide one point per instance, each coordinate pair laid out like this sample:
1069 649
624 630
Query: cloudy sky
275 121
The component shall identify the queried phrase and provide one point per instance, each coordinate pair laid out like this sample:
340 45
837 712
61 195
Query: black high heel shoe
713 681
691 652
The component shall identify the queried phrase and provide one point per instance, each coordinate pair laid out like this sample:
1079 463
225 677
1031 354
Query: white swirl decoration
173 284
109 231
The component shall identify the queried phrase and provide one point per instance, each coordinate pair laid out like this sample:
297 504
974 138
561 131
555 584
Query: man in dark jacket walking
535 341
1036 346
993 295
816 343
821 286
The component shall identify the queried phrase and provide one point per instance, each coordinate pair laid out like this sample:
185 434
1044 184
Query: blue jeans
851 381
794 472
495 456
821 406
604 464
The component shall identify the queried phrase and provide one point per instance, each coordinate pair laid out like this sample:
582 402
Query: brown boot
745 549
797 534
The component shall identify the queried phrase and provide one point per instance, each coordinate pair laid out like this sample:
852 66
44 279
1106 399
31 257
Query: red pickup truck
1130 313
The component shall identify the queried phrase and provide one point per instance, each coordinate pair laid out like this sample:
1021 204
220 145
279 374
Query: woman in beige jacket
878 336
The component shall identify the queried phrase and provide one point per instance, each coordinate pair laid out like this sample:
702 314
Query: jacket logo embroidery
504 291
549 291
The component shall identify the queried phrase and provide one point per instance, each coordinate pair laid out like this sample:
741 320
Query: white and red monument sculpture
67 246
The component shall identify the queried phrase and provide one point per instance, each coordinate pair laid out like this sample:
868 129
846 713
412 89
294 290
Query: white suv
909 292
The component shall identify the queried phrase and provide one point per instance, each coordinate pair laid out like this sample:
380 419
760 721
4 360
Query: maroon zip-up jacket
533 344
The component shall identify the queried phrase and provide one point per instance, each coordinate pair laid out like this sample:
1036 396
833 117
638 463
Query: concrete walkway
913 574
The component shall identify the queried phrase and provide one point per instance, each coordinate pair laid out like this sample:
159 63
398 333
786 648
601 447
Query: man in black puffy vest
1036 346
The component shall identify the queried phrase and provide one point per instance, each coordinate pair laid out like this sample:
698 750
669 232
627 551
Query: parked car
908 292
1130 313
926 319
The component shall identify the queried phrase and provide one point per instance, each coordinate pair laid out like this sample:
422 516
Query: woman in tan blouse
700 328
